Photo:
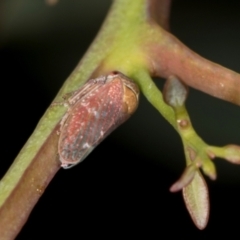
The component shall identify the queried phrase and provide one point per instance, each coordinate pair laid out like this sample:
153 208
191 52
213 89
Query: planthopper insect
94 111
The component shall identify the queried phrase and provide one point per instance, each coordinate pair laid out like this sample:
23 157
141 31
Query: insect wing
86 89
90 120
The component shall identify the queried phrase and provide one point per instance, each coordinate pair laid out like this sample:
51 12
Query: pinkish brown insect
95 110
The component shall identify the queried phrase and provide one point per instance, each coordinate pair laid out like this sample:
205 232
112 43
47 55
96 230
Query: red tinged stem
16 209
173 58
159 11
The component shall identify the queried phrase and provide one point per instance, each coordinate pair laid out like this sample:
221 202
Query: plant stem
133 40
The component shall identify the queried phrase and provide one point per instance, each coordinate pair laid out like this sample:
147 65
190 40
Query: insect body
95 110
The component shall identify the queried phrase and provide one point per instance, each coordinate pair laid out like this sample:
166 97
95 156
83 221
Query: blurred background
124 193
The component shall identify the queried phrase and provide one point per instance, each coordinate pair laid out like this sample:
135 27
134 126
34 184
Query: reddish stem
19 204
173 58
159 11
